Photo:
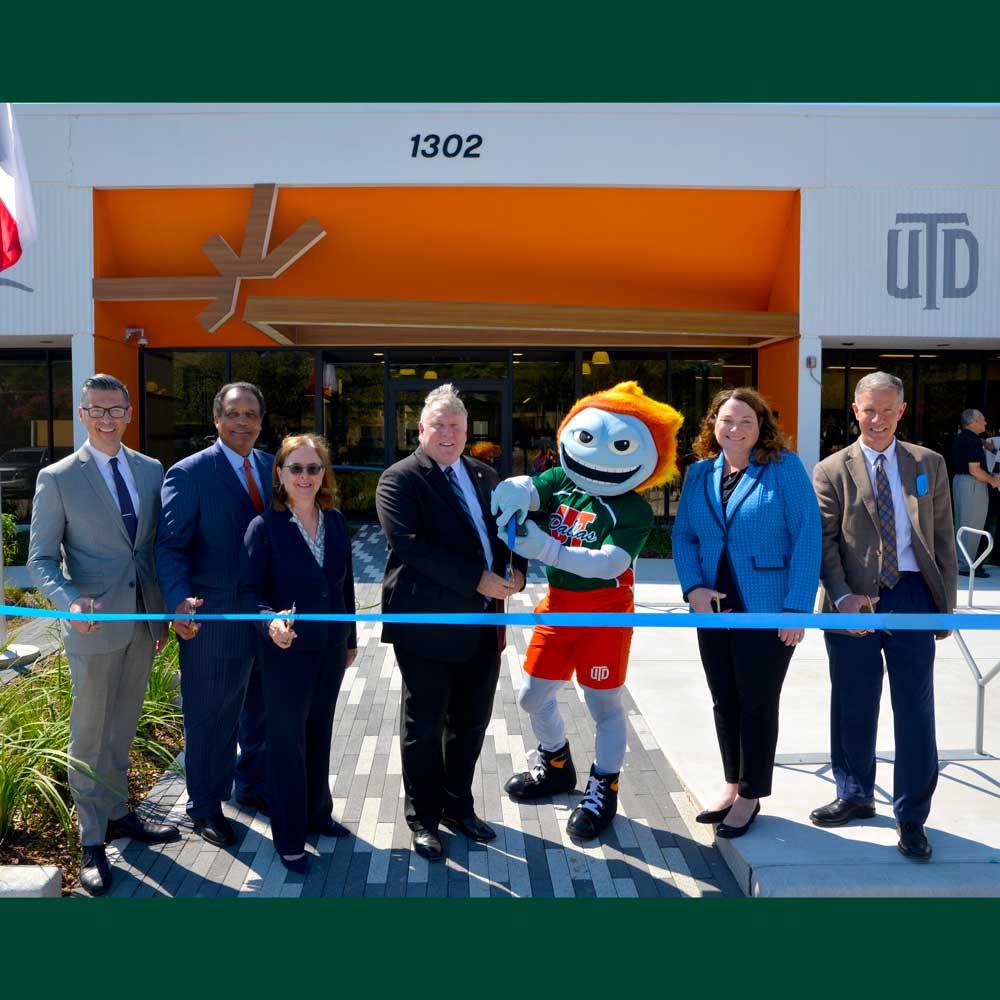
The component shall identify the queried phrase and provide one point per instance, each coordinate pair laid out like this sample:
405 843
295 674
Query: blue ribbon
674 618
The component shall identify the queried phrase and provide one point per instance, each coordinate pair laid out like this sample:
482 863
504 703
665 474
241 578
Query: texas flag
17 213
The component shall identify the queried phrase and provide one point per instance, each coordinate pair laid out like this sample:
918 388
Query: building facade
348 258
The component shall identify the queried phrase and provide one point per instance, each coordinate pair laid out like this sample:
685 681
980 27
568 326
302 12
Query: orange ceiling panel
669 248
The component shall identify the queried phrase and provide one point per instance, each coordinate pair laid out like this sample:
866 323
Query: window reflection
543 392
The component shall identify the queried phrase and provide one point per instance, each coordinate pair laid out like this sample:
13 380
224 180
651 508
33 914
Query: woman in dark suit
746 539
297 558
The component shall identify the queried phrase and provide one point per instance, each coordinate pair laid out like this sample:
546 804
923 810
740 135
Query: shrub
659 544
10 540
34 735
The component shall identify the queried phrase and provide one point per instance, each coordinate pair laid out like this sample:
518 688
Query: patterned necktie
124 501
889 576
255 497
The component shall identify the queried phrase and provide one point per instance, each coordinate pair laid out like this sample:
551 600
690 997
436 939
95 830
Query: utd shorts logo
599 673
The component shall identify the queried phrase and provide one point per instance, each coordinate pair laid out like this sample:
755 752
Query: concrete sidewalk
784 854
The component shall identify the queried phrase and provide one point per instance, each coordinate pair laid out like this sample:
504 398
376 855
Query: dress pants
856 677
745 669
446 709
251 767
212 692
108 691
300 690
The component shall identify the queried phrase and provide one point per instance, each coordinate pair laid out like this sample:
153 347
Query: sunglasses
312 469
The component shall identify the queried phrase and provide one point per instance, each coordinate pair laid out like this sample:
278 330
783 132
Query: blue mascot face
607 454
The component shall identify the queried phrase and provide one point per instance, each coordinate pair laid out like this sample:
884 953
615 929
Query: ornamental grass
34 736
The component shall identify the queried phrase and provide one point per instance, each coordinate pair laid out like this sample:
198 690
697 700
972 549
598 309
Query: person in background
972 485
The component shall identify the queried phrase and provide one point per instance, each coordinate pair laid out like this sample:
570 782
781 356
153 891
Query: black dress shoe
728 832
329 827
472 826
142 830
216 829
913 842
712 815
256 802
95 872
841 811
300 865
427 844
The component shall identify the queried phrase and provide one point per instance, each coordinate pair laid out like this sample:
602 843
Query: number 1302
431 145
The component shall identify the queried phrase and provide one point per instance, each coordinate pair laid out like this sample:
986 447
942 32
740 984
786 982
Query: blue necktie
889 576
124 501
449 474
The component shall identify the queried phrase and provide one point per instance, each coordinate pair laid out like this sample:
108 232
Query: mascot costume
613 445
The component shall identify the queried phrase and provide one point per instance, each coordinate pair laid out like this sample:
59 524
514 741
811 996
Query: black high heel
300 866
713 815
728 832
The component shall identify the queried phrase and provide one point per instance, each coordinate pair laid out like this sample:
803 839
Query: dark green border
453 50
486 53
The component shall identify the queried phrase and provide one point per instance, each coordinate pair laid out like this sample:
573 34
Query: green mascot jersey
580 519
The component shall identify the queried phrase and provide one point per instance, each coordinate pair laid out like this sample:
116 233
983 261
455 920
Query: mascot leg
553 771
599 804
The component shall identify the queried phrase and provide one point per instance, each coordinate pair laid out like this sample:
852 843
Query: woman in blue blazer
297 559
746 538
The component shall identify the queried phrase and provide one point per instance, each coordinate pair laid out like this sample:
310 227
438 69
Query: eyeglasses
312 469
97 412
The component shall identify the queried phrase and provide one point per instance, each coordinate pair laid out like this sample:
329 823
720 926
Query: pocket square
922 484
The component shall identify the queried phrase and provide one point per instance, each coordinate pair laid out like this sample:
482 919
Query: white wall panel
48 291
611 146
845 262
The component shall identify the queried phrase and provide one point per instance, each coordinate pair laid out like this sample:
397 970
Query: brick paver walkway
649 851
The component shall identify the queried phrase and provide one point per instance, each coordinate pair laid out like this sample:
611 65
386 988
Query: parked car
18 470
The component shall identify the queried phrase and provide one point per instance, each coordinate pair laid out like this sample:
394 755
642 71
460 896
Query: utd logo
599 673
929 225
571 525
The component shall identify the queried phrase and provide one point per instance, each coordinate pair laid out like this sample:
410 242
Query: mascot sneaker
552 773
597 808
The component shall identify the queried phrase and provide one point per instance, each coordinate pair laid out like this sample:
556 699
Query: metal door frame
423 386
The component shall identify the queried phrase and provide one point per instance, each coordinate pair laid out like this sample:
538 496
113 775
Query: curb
30 881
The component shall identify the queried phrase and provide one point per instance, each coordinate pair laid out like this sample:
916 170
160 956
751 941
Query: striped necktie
889 575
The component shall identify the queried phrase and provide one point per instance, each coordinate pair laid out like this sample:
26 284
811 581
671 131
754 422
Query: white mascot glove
513 496
537 544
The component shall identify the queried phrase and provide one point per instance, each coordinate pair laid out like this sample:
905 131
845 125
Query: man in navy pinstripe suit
208 499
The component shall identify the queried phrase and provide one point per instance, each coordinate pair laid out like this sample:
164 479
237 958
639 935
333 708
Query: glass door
487 402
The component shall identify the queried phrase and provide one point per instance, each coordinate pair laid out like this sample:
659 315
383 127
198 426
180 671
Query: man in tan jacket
888 546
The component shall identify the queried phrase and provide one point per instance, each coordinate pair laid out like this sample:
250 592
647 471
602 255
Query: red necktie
255 497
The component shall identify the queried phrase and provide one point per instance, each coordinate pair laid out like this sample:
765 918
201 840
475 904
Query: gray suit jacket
79 546
852 545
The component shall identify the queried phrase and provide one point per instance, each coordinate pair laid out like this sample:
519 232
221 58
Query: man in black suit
444 557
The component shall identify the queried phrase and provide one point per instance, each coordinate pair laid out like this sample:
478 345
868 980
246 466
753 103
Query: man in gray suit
93 529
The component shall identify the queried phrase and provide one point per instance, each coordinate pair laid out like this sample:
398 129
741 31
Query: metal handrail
973 566
981 681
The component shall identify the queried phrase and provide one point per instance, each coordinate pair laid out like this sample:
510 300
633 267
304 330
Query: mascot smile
613 446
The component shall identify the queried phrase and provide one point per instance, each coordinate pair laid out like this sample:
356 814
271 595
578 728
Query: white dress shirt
104 465
905 559
236 461
472 501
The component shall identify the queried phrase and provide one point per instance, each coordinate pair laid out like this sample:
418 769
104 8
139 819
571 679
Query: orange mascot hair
663 422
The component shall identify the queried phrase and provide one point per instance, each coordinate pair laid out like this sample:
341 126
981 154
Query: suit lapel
747 484
93 476
228 478
857 468
442 487
713 487
139 475
907 466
